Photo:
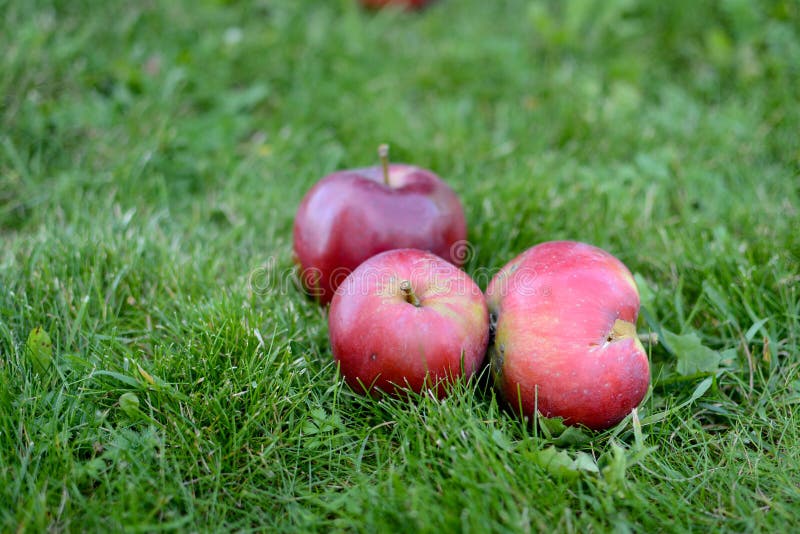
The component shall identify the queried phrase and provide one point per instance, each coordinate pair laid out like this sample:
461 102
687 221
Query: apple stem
383 153
408 292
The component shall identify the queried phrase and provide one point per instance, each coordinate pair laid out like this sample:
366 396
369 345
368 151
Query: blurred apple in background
407 319
351 215
565 338
407 4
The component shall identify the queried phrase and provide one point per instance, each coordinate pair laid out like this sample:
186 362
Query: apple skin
565 338
384 344
407 4
349 216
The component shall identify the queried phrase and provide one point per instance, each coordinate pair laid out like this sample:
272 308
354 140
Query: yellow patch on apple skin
470 320
622 330
629 278
434 290
445 311
639 346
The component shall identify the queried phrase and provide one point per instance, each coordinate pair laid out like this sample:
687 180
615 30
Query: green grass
152 155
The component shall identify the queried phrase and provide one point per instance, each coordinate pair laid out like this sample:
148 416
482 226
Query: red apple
407 4
565 340
407 319
350 216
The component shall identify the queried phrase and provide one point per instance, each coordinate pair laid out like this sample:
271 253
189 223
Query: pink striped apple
407 319
565 340
350 216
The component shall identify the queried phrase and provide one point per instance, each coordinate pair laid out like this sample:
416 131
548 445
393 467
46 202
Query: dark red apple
565 340
407 319
407 4
350 216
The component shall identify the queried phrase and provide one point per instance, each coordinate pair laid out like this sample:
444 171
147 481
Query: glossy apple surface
565 338
350 216
407 319
408 4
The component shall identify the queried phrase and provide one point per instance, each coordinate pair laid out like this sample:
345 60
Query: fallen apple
565 342
407 4
407 319
351 215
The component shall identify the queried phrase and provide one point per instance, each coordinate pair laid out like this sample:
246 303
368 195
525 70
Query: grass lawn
152 155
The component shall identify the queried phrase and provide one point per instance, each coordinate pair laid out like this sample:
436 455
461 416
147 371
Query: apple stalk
383 154
408 293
